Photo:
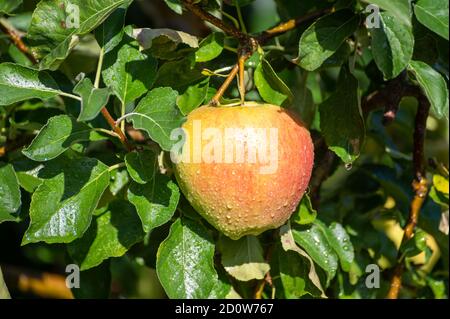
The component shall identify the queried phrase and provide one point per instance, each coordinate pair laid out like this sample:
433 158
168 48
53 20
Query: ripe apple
244 168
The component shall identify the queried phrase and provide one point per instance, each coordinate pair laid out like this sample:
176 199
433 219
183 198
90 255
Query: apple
244 168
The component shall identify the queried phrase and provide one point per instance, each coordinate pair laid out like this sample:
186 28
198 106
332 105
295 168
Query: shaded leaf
19 83
193 97
434 15
179 74
185 262
146 37
392 45
93 99
158 114
243 258
129 72
8 6
10 198
61 207
305 213
341 121
210 48
55 137
111 234
110 33
141 166
289 244
433 85
324 37
271 88
155 201
400 9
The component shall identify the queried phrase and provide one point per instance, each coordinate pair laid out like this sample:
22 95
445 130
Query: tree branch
16 39
290 25
420 184
206 16
115 128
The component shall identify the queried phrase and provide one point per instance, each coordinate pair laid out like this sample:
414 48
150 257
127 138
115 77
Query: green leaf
185 262
324 37
314 240
19 83
111 234
340 241
61 207
433 85
56 26
155 201
243 259
271 88
210 48
129 72
305 213
193 97
294 275
8 6
119 180
4 293
441 184
341 121
392 45
167 38
158 114
95 283
175 5
110 33
10 200
179 74
288 244
434 15
141 166
400 9
415 245
93 99
55 137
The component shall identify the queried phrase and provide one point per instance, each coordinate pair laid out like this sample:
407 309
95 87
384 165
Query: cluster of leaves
67 176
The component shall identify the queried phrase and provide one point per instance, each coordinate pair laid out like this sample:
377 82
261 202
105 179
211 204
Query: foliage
73 190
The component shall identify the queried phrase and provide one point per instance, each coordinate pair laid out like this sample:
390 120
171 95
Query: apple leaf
56 26
392 45
57 136
341 121
129 72
110 234
434 15
10 198
243 258
324 37
61 207
433 85
93 99
158 114
19 83
185 263
157 199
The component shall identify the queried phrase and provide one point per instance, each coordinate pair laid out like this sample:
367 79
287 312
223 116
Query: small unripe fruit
245 195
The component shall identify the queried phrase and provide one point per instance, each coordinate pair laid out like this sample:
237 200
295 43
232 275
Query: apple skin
235 197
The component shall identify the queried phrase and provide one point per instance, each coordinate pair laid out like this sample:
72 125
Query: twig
17 41
267 278
420 184
206 16
388 97
290 25
215 100
116 129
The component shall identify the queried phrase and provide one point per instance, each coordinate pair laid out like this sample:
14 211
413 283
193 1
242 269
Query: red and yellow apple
244 168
